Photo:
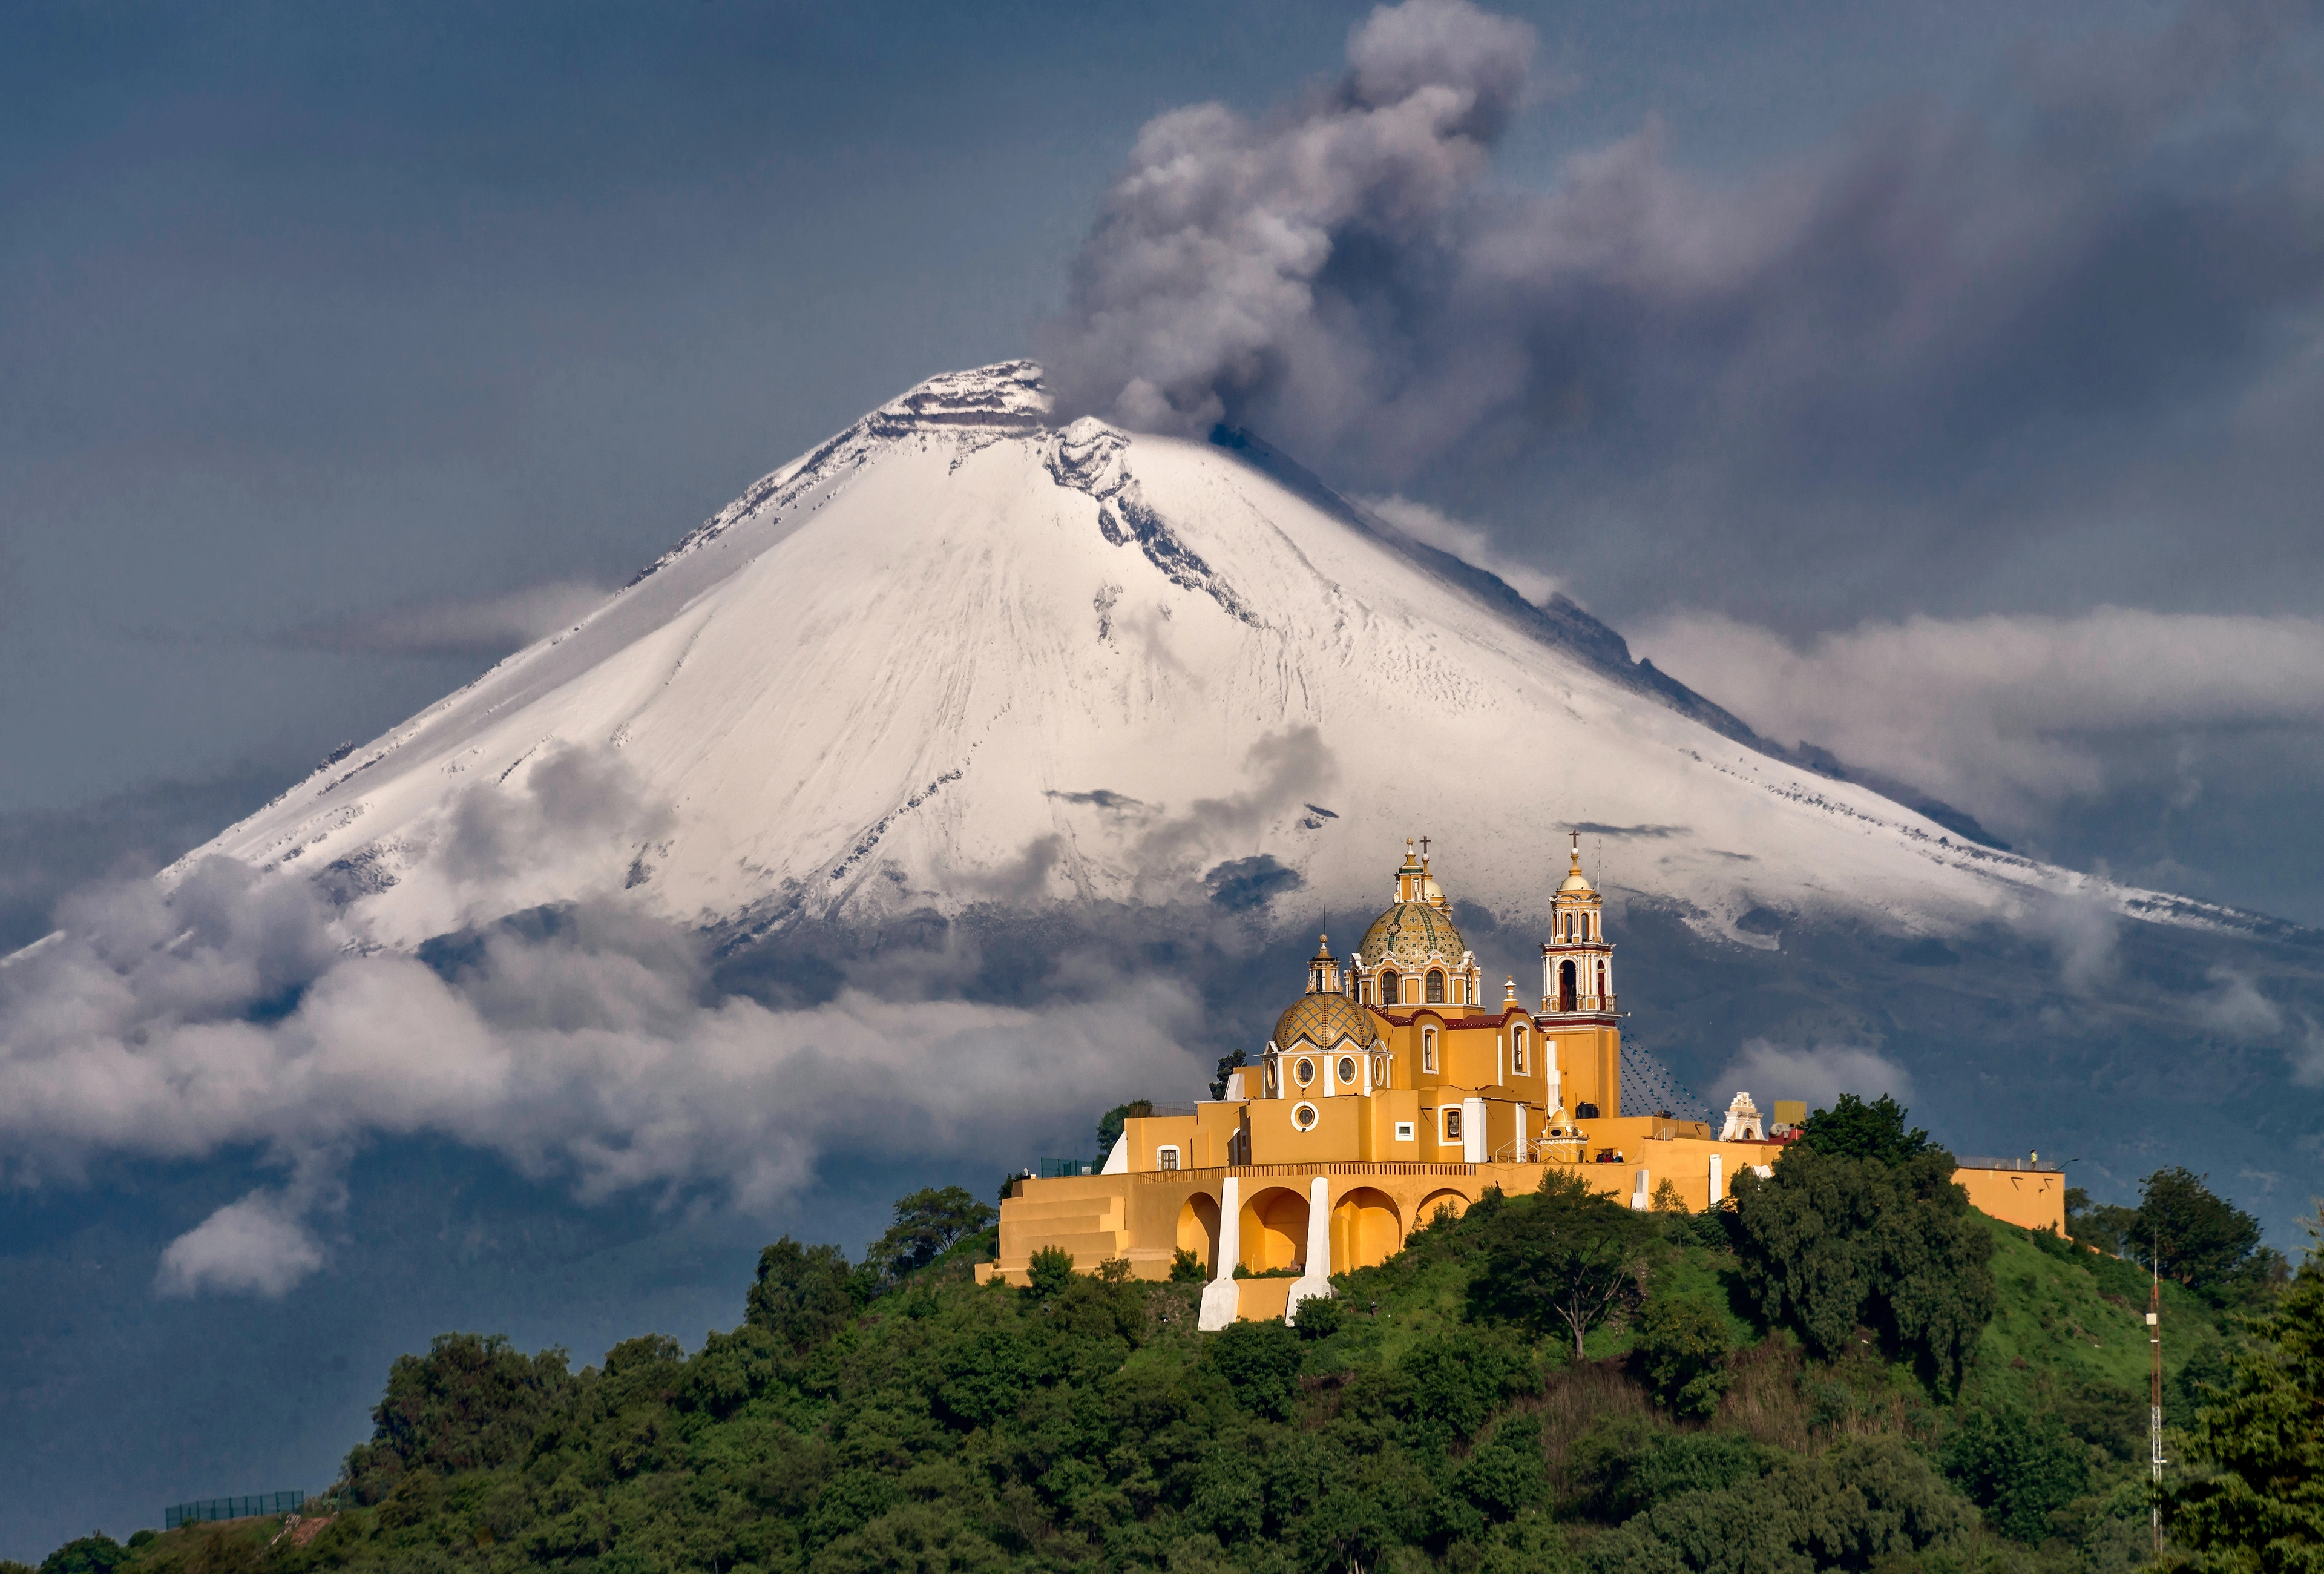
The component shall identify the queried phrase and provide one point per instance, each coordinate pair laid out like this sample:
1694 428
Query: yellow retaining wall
1146 1217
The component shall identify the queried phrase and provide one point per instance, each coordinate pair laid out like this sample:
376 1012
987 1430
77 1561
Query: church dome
1325 1020
1410 932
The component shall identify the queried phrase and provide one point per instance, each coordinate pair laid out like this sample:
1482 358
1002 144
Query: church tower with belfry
1578 1007
1389 1094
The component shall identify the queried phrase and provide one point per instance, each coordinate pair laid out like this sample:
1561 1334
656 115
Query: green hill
896 1416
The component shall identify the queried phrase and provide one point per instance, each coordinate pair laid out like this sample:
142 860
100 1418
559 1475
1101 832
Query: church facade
1391 1089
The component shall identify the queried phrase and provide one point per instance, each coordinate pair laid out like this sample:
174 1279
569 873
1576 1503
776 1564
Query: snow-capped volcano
957 655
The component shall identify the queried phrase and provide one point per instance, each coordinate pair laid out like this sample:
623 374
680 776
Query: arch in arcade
1437 1202
1198 1230
1275 1230
1366 1229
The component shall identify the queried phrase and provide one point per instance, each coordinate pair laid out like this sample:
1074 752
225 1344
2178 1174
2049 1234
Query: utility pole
2155 1392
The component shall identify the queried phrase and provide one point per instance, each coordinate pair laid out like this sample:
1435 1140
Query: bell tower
1577 962
1577 1010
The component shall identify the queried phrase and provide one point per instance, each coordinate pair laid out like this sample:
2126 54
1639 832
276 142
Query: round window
1347 1068
1303 1115
1306 1071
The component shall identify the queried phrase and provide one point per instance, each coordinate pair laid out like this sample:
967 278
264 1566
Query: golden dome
1412 931
1325 1020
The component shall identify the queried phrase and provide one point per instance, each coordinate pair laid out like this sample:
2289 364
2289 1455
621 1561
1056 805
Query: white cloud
1769 1071
2008 717
1465 542
254 1247
223 1014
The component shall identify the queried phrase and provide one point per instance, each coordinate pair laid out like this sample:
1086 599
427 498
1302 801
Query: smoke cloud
1959 349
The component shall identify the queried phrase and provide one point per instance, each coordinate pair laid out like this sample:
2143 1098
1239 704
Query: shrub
1185 1268
2017 1468
1048 1273
1260 1363
1679 1351
97 1554
1619 1469
1318 1317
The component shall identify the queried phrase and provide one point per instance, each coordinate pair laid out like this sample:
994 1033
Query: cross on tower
1424 847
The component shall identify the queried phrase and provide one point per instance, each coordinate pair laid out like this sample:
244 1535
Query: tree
1564 1258
1228 1065
803 1293
927 1223
2260 1507
1680 1350
1828 1244
2191 1235
1111 1124
1853 1129
470 1403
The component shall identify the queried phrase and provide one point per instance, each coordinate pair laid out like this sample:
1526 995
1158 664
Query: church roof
1412 931
1325 1020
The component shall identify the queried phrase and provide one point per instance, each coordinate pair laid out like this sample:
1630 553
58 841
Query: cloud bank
235 1012
2011 717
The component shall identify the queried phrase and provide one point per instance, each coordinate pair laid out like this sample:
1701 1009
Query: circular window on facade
1303 1115
1347 1068
1305 1071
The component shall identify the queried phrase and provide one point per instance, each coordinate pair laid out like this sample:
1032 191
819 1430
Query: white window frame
1428 1049
1313 1116
1449 1118
1165 1157
1302 1071
1404 1131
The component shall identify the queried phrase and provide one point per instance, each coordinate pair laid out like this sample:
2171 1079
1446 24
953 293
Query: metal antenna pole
2154 1392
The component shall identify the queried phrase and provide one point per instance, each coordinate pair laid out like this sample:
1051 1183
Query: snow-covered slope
955 656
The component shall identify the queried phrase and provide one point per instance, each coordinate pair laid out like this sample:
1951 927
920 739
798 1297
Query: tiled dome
1325 1020
1410 932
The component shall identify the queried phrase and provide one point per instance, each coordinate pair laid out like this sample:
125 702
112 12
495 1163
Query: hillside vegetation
1911 1386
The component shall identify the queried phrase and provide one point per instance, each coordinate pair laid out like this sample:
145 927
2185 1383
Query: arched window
1388 987
1428 1049
1519 1061
1565 987
1602 986
1435 987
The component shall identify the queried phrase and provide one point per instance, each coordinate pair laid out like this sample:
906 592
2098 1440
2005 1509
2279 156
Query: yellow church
1392 1089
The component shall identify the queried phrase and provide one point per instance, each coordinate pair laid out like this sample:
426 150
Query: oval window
1347 1068
1303 1116
1305 1071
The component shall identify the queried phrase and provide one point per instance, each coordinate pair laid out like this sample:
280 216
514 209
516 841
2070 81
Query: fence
2026 1165
214 1508
1051 1169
